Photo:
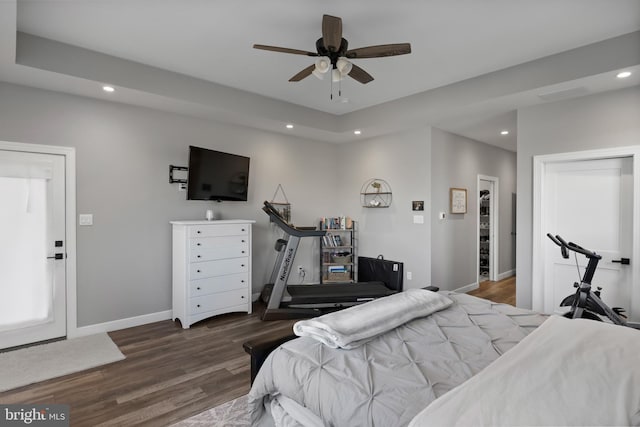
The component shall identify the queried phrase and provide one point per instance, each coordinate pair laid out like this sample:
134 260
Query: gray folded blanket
356 325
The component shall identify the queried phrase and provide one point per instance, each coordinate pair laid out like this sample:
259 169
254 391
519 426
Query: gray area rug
43 362
230 414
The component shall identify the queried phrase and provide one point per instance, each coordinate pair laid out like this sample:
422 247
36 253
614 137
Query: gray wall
123 157
610 119
401 159
456 161
123 153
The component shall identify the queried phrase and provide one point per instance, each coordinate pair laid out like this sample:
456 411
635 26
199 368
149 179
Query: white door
589 203
33 250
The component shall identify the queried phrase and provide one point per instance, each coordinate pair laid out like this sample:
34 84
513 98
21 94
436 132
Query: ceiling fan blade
360 75
379 51
331 32
302 74
284 50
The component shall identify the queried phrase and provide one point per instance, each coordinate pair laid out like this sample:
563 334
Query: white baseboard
507 274
116 325
467 288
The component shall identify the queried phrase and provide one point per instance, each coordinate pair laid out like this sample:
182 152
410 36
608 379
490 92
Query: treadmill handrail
292 231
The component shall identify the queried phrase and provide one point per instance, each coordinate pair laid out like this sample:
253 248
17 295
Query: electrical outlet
86 219
409 275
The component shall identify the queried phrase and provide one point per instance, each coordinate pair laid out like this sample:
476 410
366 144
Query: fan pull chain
331 96
339 89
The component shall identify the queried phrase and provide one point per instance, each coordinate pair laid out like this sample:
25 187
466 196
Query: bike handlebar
564 245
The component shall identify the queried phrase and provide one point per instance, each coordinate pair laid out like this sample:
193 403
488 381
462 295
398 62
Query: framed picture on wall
458 200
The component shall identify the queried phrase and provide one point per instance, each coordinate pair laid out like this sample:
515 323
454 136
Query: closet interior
485 233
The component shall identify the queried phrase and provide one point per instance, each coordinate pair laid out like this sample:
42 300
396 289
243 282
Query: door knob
623 261
56 256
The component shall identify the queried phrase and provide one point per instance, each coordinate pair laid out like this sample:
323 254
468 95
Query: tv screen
214 175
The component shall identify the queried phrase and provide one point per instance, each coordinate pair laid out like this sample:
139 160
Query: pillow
567 372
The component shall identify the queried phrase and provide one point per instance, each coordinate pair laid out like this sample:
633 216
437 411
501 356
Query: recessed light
357 132
108 88
623 74
289 126
504 132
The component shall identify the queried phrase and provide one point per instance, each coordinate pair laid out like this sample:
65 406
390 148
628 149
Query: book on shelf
336 223
331 240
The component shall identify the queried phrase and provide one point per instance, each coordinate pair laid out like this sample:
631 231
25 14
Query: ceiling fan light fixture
336 75
323 64
344 66
332 53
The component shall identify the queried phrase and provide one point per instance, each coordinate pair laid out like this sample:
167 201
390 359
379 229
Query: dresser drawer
218 230
219 284
202 270
218 300
210 248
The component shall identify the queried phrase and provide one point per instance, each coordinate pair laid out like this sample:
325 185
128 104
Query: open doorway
487 228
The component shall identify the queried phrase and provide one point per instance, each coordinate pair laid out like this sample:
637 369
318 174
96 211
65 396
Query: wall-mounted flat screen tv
214 175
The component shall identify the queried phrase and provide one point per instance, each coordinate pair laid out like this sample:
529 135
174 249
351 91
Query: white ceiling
209 45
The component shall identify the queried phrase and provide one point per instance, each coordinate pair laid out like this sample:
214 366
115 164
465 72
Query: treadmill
304 301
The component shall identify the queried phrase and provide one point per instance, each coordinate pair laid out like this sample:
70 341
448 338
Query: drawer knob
241 265
198 232
242 251
242 281
242 240
198 305
198 288
199 244
199 256
242 297
243 229
198 271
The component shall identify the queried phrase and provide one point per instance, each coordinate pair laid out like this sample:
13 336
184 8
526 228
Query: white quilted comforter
388 380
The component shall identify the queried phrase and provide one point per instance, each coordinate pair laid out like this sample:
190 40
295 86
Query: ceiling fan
333 54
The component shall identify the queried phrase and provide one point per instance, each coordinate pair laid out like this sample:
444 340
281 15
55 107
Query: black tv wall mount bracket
179 177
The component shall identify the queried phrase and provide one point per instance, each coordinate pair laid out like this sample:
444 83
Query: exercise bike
586 303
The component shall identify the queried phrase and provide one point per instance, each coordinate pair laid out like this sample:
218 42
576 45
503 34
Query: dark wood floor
170 374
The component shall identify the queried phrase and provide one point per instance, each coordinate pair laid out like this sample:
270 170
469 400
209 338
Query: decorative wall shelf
375 193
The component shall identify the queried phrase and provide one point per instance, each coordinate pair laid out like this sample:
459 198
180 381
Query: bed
388 380
452 358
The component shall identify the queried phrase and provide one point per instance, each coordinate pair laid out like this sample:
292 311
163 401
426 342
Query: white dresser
211 269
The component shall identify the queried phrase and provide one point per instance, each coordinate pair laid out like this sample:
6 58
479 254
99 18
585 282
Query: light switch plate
418 219
86 219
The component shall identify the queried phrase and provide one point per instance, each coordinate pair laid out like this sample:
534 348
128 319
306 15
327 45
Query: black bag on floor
379 269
